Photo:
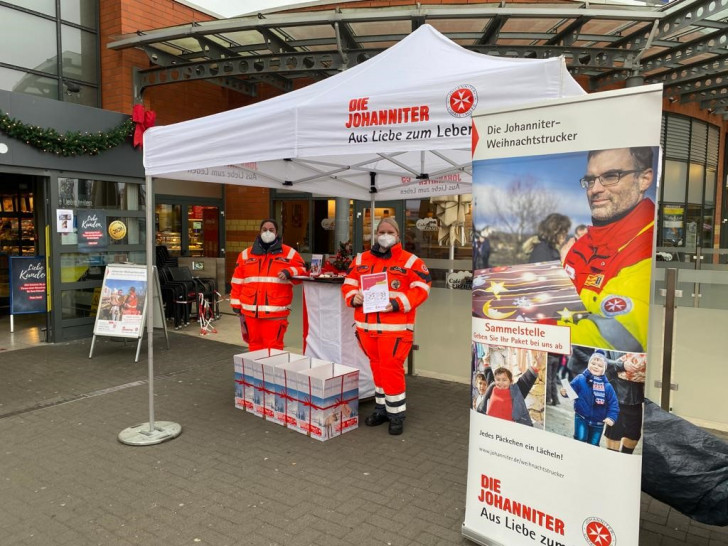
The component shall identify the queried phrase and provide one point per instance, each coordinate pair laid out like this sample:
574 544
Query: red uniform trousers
266 333
387 354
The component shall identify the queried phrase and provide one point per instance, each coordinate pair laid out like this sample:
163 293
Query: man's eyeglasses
609 178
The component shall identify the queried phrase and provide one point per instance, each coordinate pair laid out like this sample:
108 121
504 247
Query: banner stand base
476 537
141 435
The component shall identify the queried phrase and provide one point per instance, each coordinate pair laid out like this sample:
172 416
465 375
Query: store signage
92 230
538 307
27 285
117 230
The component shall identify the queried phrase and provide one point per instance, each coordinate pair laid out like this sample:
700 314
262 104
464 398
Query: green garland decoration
70 144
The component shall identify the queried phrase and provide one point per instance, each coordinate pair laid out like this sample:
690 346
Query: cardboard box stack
329 395
244 375
274 395
314 397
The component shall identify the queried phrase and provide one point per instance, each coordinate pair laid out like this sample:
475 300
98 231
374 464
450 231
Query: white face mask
267 237
386 240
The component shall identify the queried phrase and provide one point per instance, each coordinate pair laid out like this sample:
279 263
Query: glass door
364 223
18 234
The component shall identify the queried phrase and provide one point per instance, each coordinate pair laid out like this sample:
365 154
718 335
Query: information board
123 303
27 285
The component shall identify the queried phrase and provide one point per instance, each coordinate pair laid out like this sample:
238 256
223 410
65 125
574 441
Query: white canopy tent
396 126
403 115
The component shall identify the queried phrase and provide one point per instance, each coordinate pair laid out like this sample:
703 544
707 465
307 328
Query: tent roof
409 114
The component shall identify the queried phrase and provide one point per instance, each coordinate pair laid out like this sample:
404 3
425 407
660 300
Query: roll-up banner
565 191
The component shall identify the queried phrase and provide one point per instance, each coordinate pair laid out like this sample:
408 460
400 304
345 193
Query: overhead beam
569 34
679 76
492 31
274 43
213 49
421 13
675 19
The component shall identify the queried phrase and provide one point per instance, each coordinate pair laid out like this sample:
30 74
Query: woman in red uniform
262 288
386 336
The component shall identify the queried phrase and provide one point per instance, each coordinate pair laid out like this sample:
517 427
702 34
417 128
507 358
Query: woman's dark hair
502 370
267 220
552 226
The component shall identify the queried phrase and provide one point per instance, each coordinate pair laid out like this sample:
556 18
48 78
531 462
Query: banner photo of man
568 200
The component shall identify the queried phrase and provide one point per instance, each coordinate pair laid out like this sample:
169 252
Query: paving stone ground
229 478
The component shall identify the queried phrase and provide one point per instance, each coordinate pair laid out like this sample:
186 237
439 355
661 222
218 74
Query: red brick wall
245 207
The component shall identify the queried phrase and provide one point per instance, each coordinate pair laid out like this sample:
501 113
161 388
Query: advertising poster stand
122 309
557 460
28 287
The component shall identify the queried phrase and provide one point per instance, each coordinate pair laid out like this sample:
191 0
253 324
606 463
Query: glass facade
188 229
50 54
686 218
121 205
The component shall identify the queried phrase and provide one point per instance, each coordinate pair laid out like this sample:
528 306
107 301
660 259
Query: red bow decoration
144 119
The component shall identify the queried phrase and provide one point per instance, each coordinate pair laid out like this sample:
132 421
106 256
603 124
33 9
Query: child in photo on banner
506 399
481 385
596 403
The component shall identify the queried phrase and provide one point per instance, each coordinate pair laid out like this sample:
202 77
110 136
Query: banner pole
373 193
152 432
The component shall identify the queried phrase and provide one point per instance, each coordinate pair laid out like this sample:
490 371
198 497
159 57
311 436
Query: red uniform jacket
409 286
256 289
611 267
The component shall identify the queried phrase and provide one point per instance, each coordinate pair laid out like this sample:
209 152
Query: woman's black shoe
396 426
376 419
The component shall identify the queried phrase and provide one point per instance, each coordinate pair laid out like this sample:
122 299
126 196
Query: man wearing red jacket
612 263
386 337
262 288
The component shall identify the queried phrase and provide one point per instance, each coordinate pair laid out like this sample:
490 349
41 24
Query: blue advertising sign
92 231
27 285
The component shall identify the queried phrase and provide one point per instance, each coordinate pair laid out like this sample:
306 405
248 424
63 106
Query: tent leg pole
371 218
150 433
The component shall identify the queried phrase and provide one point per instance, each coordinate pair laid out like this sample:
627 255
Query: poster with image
123 303
560 312
92 231
27 285
64 220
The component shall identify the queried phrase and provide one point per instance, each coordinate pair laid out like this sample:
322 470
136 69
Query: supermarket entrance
21 234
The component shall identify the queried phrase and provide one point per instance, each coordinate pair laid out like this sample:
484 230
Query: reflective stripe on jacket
611 268
409 286
255 287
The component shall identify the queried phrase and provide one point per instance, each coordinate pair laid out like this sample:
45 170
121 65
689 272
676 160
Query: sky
555 174
224 9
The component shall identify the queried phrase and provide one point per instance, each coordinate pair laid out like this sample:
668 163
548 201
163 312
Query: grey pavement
230 477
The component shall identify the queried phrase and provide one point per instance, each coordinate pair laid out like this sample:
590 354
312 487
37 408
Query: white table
329 331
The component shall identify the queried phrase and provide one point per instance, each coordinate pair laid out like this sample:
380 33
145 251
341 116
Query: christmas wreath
69 144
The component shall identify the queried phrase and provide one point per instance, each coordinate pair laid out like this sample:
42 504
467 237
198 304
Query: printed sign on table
316 262
27 285
559 334
375 288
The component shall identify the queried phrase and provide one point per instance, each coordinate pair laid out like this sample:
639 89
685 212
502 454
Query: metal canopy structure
683 44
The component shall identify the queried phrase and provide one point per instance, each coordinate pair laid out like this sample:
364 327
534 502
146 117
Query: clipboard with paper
375 289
